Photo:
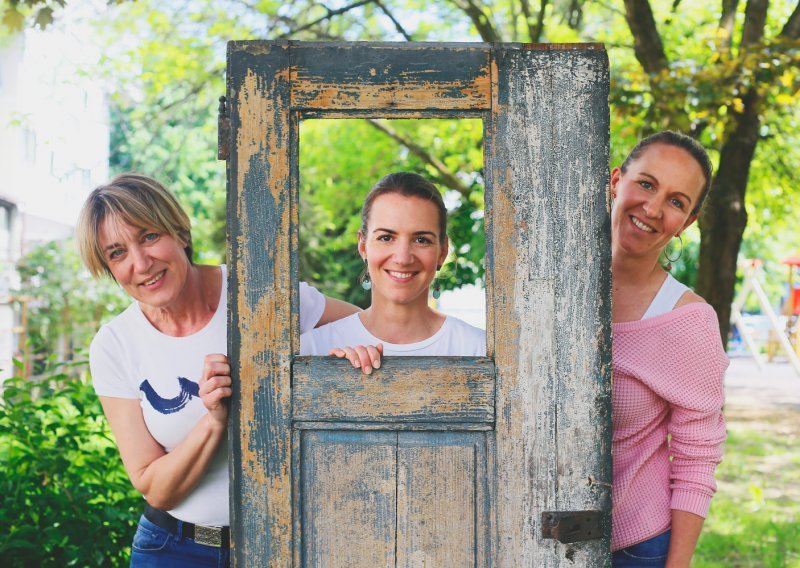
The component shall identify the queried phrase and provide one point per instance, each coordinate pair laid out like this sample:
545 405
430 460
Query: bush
64 494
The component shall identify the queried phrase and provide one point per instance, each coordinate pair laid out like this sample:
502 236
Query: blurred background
91 88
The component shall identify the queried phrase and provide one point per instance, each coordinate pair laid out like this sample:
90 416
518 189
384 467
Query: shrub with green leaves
64 494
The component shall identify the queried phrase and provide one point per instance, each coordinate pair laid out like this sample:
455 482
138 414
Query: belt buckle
210 536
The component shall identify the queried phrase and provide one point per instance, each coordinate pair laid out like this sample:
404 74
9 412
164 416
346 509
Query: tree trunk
724 219
724 216
726 24
647 44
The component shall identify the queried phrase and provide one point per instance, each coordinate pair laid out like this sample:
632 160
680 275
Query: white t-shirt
130 358
455 337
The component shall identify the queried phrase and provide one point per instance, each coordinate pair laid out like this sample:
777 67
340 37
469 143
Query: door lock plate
572 526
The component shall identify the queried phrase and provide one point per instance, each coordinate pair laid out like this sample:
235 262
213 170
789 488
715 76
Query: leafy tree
16 14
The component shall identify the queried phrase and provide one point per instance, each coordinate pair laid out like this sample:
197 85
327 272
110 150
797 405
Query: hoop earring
364 279
680 253
437 291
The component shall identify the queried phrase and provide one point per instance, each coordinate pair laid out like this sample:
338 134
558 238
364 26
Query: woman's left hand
215 386
367 357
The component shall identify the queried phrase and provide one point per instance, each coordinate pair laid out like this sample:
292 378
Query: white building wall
54 135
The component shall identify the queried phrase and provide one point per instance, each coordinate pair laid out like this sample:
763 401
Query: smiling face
150 266
403 248
654 199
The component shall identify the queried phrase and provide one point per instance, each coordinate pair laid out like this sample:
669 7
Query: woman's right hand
367 357
215 386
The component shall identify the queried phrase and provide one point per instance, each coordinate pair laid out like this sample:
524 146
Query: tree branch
609 7
726 24
575 14
328 16
448 178
792 28
534 30
480 20
755 17
647 42
397 25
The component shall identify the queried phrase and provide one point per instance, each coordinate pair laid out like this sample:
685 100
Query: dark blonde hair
407 184
137 200
678 140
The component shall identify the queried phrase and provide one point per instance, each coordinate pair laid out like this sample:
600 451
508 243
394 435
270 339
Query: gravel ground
775 387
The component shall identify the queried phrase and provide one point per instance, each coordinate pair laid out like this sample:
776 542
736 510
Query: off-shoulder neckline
663 319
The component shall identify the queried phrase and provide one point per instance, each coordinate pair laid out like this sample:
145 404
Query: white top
667 296
131 359
455 337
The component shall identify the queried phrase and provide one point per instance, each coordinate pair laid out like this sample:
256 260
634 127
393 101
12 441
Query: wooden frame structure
534 414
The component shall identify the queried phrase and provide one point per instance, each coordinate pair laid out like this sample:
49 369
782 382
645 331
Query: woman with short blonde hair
161 371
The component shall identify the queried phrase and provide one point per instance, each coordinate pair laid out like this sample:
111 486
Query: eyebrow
393 232
118 244
651 176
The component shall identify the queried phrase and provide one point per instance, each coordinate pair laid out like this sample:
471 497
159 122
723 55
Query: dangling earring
437 292
671 260
366 283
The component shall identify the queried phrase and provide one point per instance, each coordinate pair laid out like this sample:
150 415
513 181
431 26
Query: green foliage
184 163
65 496
684 269
17 13
65 306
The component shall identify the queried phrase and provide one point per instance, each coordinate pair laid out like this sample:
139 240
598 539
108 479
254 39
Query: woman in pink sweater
668 360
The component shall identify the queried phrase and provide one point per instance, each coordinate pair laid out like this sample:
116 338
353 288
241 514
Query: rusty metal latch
572 526
223 130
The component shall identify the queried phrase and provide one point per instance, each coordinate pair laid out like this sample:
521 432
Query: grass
755 516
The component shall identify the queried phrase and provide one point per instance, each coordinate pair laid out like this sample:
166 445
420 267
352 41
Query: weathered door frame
545 115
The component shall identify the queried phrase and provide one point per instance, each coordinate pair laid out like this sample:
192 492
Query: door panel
441 495
370 496
348 498
407 389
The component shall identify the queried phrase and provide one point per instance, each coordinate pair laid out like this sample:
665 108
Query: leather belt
219 537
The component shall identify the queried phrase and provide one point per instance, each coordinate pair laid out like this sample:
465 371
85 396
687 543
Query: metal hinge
223 130
572 526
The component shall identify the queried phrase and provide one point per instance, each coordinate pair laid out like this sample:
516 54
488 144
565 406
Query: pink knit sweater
668 380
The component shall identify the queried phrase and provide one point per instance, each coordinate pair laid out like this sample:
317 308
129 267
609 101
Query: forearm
686 529
336 310
166 481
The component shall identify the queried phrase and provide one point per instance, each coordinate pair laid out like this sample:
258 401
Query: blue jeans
652 552
155 547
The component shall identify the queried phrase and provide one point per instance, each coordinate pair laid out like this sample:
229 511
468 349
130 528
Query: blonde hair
137 200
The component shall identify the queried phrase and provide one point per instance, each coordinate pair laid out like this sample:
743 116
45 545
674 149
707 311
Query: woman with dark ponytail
668 360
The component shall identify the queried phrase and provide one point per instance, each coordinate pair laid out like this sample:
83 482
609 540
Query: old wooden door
430 461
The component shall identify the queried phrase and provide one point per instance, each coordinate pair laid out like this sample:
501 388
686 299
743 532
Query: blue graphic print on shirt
170 405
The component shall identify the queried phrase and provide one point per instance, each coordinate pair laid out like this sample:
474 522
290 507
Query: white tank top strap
666 298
